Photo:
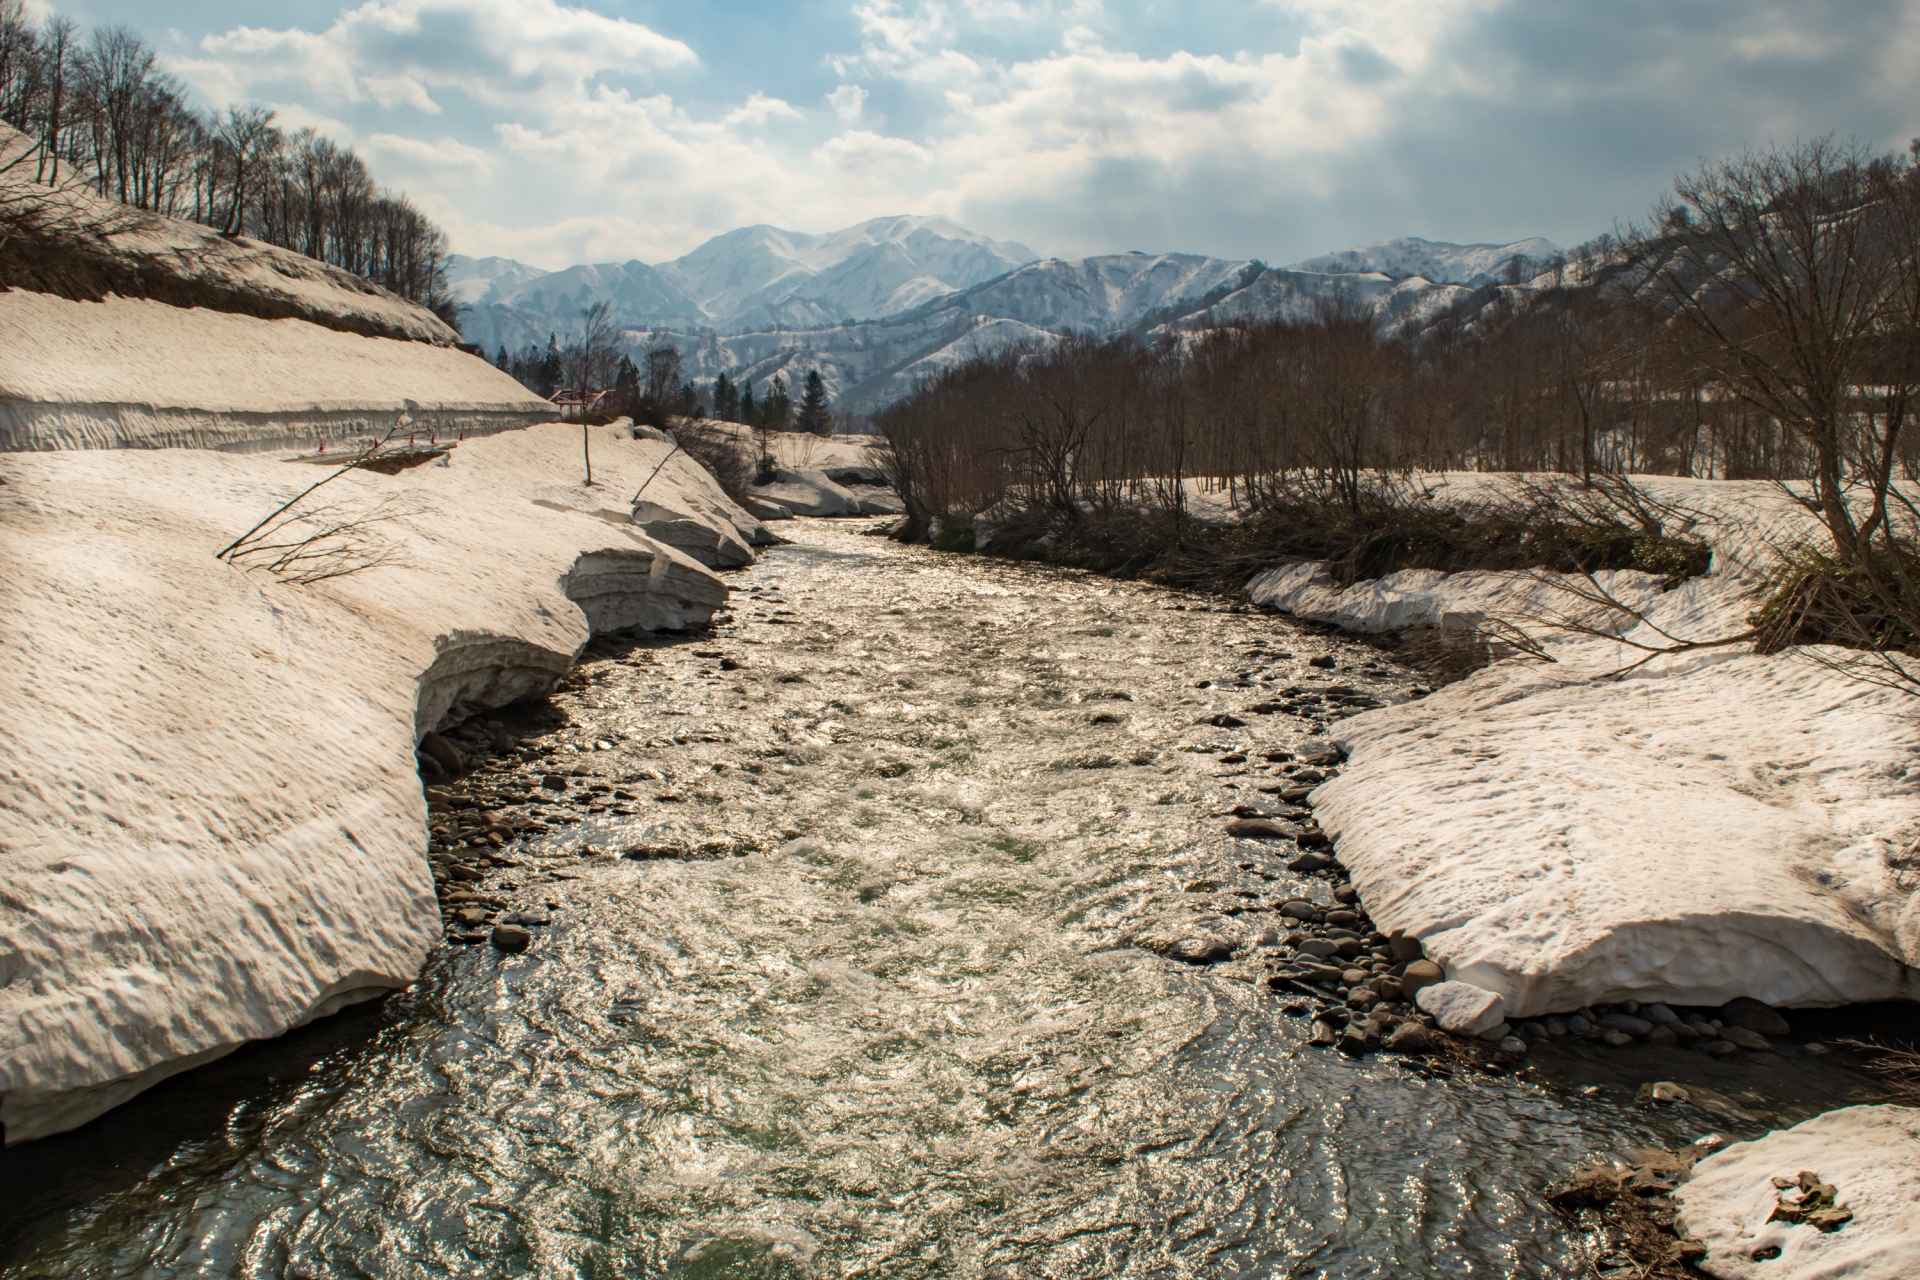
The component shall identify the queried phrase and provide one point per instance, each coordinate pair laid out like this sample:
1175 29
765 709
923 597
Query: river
875 991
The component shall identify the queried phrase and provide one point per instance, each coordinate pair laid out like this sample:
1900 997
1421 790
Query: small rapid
853 967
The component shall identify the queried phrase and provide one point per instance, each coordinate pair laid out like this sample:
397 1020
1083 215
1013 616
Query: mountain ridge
875 307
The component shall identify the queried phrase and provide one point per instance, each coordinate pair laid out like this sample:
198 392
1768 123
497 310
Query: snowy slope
759 275
212 827
133 372
1711 825
1439 262
1869 1155
475 280
142 254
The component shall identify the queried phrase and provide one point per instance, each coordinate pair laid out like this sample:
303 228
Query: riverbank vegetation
1762 323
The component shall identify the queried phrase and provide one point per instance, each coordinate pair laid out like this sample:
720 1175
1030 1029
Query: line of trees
1764 322
103 111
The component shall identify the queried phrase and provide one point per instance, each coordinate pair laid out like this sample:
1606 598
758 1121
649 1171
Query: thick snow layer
1871 1158
128 372
226 272
1713 824
211 827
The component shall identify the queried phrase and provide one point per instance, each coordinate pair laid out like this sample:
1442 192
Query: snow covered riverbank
1714 824
211 826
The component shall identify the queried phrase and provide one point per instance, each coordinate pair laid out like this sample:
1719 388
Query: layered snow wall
136 373
1709 825
211 827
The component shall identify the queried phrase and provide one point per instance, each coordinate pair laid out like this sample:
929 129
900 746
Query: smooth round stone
1616 1038
511 938
1578 1026
1513 1045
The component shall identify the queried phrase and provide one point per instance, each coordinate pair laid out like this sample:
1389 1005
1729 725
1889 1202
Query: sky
563 131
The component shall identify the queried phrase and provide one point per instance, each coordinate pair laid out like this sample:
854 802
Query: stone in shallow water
511 938
1200 949
1745 1039
1257 829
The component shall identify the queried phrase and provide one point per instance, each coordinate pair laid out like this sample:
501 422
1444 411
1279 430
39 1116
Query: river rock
1320 947
1420 974
1403 947
1257 829
1462 1009
511 938
1307 862
1409 1037
1625 1022
1659 1013
1754 1016
1324 1034
1299 909
1745 1039
1513 1046
1202 948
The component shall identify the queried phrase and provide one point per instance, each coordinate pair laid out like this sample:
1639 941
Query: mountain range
878 306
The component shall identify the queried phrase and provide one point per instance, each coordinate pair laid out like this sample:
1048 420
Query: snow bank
211 827
1869 1155
132 372
1714 824
641 476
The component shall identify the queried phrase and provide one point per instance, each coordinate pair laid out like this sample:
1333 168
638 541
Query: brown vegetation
1764 325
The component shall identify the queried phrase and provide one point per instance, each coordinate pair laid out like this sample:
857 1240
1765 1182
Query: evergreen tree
551 369
726 399
776 410
814 414
626 388
749 411
503 362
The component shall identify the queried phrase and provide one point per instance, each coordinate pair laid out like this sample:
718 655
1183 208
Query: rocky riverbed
931 916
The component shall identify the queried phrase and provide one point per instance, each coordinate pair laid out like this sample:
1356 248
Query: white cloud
758 109
861 151
395 51
847 101
557 134
446 158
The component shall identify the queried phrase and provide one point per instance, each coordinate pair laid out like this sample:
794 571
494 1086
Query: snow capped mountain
876 307
1468 264
484 279
1105 294
881 267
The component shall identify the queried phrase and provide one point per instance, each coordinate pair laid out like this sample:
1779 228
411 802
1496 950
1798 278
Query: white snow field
1871 1157
211 824
129 372
234 345
1713 824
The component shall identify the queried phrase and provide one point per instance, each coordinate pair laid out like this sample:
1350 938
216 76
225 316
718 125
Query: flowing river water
851 970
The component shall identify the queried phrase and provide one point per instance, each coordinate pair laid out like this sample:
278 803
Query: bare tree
1788 272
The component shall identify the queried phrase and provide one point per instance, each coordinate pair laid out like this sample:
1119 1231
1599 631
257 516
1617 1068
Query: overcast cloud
559 131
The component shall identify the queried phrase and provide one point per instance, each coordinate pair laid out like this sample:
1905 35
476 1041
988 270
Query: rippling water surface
879 1001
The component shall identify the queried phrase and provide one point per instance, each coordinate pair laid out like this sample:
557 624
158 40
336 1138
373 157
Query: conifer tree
814 414
749 411
726 399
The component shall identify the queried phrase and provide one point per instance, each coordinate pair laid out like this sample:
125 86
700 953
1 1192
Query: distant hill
877 306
